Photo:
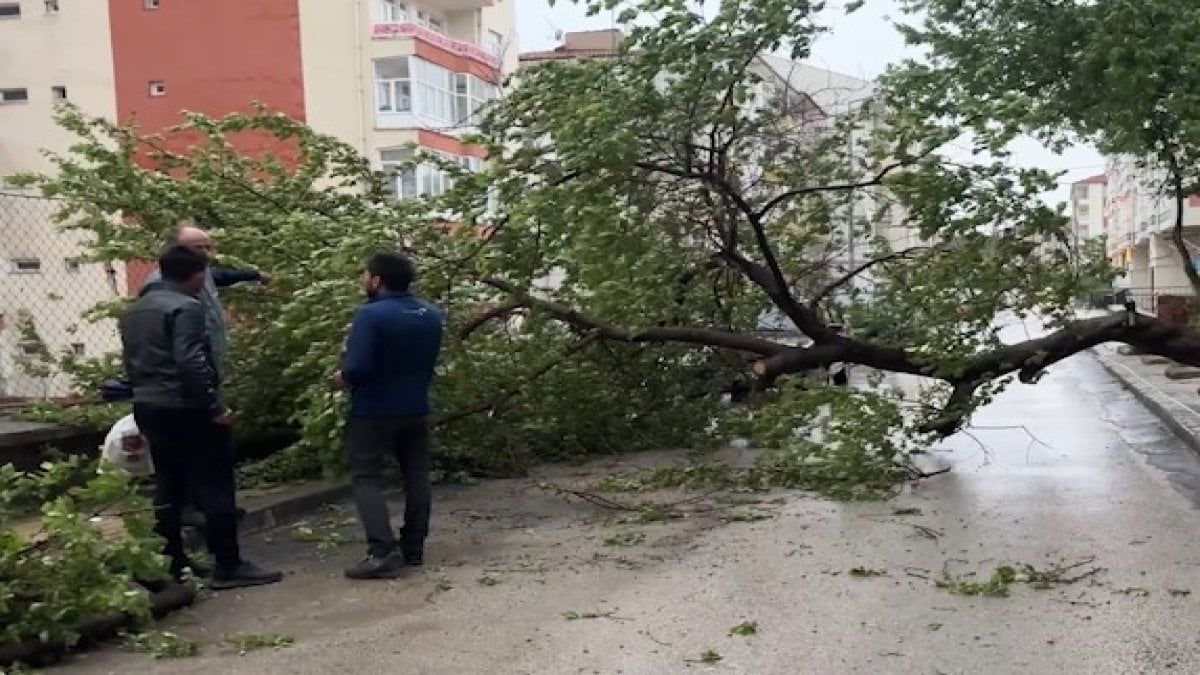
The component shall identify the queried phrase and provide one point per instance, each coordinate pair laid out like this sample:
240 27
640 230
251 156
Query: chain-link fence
45 291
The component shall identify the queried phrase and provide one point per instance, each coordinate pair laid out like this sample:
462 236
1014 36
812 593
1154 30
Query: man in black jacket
178 408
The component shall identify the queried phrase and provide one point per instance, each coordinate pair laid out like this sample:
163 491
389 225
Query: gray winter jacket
214 311
167 352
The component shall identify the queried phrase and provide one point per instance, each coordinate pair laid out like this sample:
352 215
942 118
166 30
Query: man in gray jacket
199 240
177 404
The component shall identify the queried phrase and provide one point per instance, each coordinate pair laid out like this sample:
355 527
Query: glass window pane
394 156
408 183
383 96
403 96
391 69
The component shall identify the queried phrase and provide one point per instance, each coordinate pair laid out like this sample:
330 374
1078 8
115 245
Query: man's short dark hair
178 264
394 270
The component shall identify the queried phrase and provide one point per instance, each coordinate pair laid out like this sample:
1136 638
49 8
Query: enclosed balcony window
422 180
393 85
393 11
412 85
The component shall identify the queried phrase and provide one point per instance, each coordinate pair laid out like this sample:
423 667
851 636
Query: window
157 88
31 349
13 96
427 180
26 265
393 11
58 93
470 95
10 10
52 6
71 265
434 91
431 20
151 4
495 43
393 85
409 84
405 184
78 349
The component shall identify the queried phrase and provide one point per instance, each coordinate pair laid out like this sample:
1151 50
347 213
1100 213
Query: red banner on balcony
1193 200
403 29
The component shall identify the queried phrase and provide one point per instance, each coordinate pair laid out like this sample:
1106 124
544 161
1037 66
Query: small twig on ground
589 497
655 640
925 531
918 573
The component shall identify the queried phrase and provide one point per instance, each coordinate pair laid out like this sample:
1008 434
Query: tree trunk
36 653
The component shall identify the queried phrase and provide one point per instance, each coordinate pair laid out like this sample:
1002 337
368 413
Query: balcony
399 30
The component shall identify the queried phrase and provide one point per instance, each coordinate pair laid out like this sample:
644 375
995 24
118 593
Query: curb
270 510
1160 410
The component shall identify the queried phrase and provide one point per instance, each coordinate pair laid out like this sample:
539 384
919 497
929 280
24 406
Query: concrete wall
43 50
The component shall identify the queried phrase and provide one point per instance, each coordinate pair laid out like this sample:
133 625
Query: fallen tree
78 560
640 219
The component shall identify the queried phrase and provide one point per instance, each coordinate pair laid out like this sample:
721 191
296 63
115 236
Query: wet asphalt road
1073 469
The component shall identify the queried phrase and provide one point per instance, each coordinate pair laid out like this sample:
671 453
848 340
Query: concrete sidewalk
1176 401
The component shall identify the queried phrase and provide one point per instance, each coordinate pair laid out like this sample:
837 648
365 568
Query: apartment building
1140 220
381 75
815 99
1087 208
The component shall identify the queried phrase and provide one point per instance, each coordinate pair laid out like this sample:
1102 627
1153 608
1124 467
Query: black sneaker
414 559
245 574
377 567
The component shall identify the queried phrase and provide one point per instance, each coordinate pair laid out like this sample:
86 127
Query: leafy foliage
78 557
1115 73
163 645
605 274
245 643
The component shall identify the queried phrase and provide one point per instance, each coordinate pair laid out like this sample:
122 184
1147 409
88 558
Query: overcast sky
862 44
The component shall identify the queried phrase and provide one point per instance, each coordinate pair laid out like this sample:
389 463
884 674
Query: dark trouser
367 440
193 460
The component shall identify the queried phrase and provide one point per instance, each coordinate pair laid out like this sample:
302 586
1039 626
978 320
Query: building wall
1140 221
341 39
1088 208
42 50
213 57
39 51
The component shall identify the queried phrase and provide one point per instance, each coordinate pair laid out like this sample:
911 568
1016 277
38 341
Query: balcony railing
395 30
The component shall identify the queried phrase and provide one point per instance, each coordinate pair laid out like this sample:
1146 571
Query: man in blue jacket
390 356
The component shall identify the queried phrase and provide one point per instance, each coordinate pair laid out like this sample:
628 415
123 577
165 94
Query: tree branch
1185 256
955 411
486 315
1028 359
509 394
681 334
838 187
845 278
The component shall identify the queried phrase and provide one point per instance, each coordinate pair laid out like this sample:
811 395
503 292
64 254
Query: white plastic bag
126 448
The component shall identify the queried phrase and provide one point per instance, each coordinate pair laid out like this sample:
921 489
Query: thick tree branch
954 412
1185 256
769 274
1028 359
485 315
681 334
